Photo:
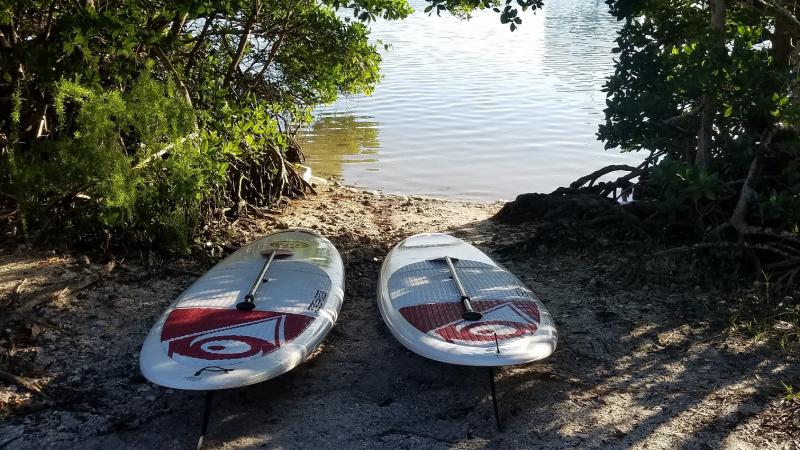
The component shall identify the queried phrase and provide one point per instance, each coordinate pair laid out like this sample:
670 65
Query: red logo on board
213 334
504 319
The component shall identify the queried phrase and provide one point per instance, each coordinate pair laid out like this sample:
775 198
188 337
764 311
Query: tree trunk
702 157
165 59
748 192
708 104
781 42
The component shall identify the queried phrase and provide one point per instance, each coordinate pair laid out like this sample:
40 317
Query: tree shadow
635 367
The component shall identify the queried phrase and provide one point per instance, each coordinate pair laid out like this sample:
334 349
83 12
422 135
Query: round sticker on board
195 336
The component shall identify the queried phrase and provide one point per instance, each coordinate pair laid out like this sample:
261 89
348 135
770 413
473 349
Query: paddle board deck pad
202 342
421 304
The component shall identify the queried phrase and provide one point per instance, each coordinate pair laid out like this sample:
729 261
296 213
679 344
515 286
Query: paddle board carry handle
469 313
250 298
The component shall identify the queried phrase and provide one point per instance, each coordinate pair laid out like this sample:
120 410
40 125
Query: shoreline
628 372
354 188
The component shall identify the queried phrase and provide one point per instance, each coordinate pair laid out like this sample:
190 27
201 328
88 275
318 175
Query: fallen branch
22 284
88 281
700 246
773 249
162 153
28 385
9 196
784 265
771 233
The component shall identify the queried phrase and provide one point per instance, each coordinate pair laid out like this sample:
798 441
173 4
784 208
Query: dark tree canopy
709 90
146 118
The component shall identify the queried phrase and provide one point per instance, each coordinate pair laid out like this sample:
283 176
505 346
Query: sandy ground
637 366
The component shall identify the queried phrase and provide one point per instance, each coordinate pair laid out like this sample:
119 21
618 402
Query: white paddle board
422 305
203 342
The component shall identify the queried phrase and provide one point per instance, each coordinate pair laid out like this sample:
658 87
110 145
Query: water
470 110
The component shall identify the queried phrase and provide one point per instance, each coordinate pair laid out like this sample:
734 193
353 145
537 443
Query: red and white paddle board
421 304
203 342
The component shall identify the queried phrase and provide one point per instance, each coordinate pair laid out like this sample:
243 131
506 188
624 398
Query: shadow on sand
635 367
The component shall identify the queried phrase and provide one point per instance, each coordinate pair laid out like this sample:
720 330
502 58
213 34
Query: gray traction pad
430 282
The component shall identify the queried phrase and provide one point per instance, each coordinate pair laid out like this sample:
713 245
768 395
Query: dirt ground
637 365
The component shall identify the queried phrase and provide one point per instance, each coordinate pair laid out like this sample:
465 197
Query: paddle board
421 303
203 342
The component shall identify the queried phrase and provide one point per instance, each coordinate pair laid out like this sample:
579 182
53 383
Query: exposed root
591 206
591 179
589 211
263 177
616 189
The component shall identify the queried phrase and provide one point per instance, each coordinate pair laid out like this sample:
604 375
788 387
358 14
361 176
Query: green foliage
790 393
685 85
507 9
84 139
780 209
343 62
106 185
683 190
82 130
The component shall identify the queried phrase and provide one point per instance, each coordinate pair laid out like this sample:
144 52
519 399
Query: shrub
126 164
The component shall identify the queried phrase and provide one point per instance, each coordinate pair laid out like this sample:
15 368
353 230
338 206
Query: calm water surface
470 110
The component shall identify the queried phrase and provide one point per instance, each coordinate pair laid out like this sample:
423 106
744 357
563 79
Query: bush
126 164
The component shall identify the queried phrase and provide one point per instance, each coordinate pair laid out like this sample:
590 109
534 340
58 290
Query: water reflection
469 110
335 140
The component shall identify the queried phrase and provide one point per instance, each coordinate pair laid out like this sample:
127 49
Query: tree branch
177 26
3 41
237 57
49 22
273 51
200 38
28 385
780 11
165 59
